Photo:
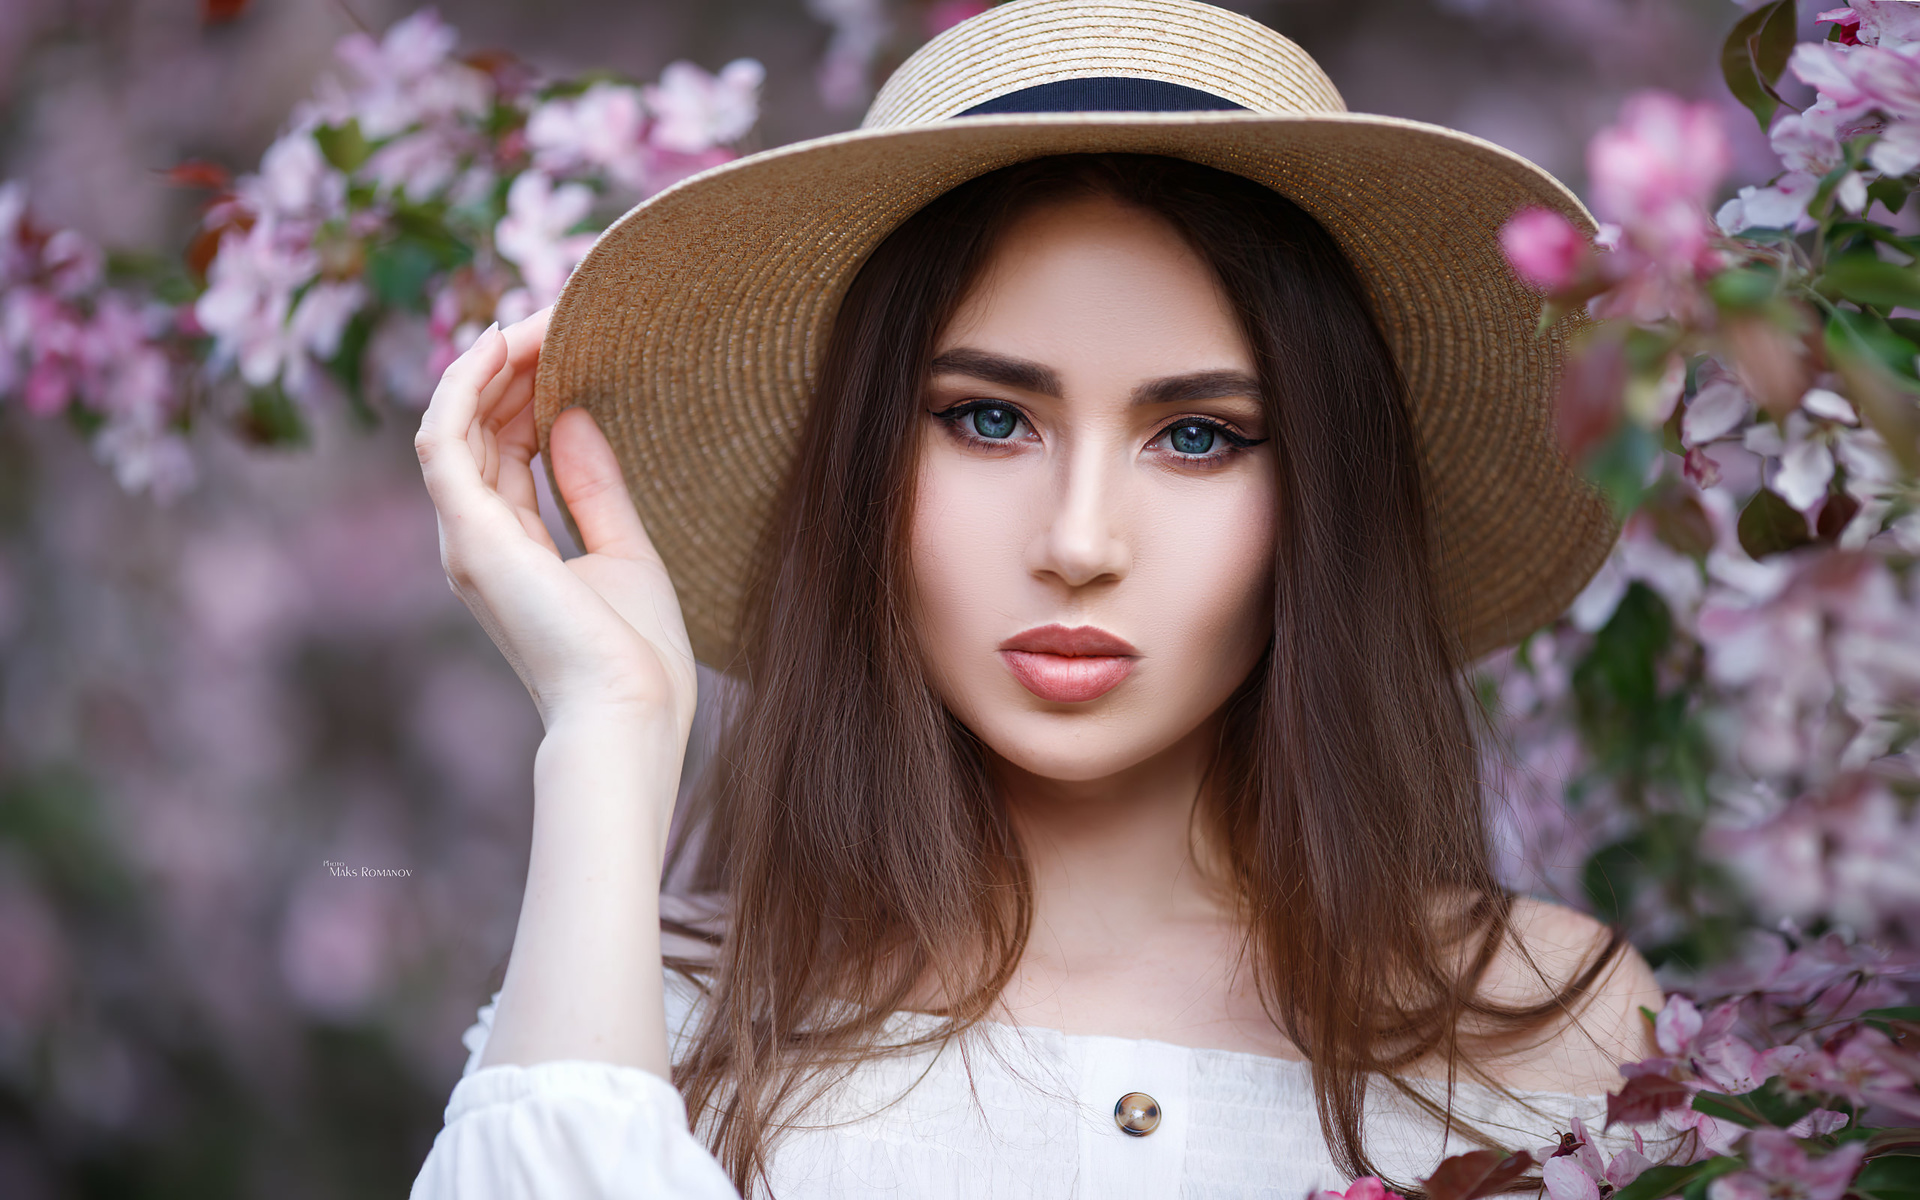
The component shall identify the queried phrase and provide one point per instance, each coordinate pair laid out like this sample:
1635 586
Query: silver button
1137 1114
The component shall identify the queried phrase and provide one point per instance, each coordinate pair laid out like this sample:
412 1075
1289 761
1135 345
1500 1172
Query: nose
1080 541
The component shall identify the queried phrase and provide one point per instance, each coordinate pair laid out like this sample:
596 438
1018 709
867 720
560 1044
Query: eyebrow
1033 377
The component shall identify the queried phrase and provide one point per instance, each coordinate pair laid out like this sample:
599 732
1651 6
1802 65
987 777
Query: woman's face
1093 532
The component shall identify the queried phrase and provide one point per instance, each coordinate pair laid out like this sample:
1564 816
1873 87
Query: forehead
1090 281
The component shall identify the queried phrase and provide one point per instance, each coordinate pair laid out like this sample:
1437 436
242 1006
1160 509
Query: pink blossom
1783 205
1846 21
406 79
1890 23
49 335
1367 1187
1544 248
296 181
1897 150
123 369
1700 468
1676 1025
418 165
1847 853
1782 1170
1863 1072
1856 80
146 457
72 264
1566 1179
534 236
694 111
1810 140
601 129
1654 171
1820 1122
250 288
1639 556
315 328
1716 410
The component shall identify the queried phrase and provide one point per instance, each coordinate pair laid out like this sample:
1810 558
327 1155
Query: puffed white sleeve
565 1131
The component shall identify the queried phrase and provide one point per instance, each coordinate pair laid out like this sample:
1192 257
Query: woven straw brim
693 328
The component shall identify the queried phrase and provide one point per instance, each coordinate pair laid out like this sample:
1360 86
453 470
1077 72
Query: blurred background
213 707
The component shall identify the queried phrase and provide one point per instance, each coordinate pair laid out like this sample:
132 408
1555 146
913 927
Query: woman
1098 811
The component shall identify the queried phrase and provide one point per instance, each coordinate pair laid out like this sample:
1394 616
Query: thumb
589 479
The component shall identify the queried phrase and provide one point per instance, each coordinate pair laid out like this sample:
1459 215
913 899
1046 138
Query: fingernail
493 328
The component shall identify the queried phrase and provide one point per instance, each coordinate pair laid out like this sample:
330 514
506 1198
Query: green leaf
1754 56
271 419
1769 526
1619 464
343 145
347 365
1890 191
1657 1183
1889 1177
1866 279
1726 1109
1877 365
1850 333
399 269
1764 1105
1907 1012
1744 287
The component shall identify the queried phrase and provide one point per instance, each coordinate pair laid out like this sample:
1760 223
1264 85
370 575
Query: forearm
584 980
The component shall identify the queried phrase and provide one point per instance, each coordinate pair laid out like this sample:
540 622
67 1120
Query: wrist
616 771
615 727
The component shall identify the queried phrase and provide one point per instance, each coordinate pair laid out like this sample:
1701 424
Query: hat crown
1029 43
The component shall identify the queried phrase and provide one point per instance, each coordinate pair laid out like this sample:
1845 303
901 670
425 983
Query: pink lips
1068 666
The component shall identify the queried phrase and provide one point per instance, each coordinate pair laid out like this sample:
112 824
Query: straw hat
693 328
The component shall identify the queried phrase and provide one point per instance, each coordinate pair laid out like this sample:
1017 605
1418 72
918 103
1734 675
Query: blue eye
1192 439
995 423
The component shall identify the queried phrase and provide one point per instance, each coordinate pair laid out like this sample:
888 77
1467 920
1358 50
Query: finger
524 338
511 388
590 482
446 460
517 450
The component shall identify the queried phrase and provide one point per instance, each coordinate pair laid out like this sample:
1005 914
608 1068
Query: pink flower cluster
1790 1017
394 166
1780 518
1653 175
68 339
1867 82
1577 1170
288 276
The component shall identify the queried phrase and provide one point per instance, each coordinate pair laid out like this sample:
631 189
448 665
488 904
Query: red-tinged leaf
1644 1098
197 173
1480 1173
1755 53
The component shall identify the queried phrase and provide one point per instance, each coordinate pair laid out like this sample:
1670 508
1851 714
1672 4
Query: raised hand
599 632
599 642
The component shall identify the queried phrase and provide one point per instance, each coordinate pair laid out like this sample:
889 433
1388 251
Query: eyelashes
1189 440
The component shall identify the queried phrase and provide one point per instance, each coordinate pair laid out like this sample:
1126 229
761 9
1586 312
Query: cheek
966 537
1203 583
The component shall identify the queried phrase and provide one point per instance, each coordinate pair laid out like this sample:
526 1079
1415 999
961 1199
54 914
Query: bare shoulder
1580 1049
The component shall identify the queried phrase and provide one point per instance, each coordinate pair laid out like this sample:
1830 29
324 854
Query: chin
1086 743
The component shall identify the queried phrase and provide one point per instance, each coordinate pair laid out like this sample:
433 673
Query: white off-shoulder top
1003 1112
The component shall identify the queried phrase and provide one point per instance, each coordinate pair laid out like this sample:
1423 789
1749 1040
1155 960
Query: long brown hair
849 818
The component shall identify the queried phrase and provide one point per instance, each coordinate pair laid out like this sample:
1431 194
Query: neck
1112 856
